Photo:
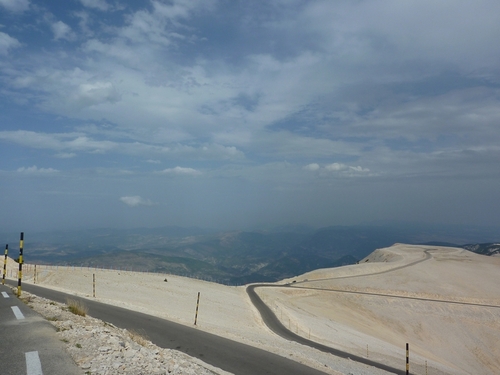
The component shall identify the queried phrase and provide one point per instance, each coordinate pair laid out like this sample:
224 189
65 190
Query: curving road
220 352
277 327
273 323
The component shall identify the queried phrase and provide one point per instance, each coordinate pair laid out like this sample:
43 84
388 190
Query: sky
238 114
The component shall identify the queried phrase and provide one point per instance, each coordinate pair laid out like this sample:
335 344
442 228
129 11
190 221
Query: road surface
28 343
274 324
220 352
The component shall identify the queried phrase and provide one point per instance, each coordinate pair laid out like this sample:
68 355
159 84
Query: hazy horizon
234 114
415 233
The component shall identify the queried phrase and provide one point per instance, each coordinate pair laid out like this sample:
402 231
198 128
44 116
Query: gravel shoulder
101 348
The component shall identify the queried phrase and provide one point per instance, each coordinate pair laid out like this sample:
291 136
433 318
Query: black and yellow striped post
5 264
407 359
197 305
20 276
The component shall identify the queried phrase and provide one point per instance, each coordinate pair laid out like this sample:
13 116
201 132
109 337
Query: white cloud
359 169
58 141
147 27
387 33
66 145
95 4
220 152
33 139
181 8
286 145
89 94
181 171
15 5
312 167
7 42
346 169
184 108
136 200
335 167
62 31
35 170
65 155
86 144
70 91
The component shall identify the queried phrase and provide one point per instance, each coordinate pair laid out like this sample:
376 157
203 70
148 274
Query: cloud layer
135 200
322 104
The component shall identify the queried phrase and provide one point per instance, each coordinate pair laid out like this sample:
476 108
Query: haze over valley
236 257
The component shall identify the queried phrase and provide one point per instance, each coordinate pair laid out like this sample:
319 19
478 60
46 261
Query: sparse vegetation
77 307
79 346
138 338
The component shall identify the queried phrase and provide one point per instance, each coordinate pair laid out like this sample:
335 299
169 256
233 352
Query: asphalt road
220 352
274 324
28 343
271 320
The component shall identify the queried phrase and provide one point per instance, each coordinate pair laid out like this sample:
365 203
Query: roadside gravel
100 348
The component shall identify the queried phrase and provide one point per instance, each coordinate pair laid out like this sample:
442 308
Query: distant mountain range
479 248
484 248
234 257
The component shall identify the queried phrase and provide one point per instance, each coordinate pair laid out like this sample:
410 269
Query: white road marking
33 365
19 315
5 295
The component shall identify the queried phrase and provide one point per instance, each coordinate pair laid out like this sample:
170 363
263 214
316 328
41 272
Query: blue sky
238 114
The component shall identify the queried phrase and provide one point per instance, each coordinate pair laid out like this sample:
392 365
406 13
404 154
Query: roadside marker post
5 264
93 284
197 305
407 359
20 276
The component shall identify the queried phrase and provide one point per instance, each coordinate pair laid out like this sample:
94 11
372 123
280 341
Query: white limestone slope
358 308
445 302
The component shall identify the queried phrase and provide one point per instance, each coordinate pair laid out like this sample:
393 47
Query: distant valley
232 257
